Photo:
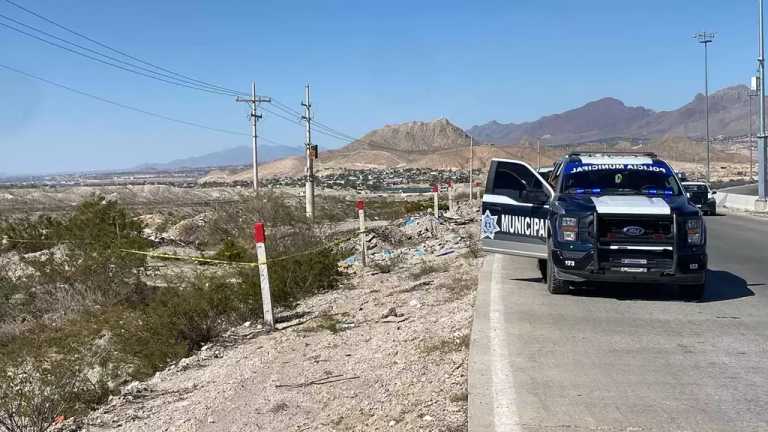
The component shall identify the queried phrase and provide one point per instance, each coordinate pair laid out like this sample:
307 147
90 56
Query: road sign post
261 254
360 205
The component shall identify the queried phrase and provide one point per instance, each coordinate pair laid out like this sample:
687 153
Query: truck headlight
569 227
694 230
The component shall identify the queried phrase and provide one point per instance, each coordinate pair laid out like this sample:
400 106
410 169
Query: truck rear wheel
554 284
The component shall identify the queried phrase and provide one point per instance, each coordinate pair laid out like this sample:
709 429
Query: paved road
625 359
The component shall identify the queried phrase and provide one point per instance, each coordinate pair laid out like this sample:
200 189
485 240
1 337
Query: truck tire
554 284
692 292
543 269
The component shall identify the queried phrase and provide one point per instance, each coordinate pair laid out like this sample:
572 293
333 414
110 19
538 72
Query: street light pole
750 142
706 38
761 157
471 164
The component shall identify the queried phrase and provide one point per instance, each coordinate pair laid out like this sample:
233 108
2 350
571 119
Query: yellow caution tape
210 260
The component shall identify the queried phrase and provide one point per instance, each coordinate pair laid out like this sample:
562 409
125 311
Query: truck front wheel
554 284
543 269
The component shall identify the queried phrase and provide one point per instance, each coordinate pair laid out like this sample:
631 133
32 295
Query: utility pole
762 157
254 101
706 38
311 153
538 150
471 164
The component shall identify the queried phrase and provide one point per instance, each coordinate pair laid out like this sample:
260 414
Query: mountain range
442 144
240 155
610 118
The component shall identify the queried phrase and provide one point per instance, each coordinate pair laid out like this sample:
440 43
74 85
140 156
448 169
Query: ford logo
633 231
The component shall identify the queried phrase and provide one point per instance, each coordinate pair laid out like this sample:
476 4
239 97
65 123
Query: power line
297 121
329 131
110 63
170 77
122 105
129 64
288 119
285 107
123 53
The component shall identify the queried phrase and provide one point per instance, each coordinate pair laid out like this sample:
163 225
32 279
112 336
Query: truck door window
513 180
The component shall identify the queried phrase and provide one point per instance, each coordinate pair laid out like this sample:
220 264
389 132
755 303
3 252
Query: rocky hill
609 118
412 144
414 136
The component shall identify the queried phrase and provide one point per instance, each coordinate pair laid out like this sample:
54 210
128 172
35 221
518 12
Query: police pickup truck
597 217
702 196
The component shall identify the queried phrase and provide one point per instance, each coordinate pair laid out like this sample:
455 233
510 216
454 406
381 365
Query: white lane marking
504 409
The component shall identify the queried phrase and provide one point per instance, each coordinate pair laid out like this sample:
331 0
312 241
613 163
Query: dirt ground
387 352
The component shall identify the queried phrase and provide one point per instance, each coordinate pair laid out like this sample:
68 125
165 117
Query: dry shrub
446 345
427 268
38 386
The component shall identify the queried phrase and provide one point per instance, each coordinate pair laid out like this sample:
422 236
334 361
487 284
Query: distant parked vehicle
702 196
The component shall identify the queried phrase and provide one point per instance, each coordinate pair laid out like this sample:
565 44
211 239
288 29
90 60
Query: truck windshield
647 179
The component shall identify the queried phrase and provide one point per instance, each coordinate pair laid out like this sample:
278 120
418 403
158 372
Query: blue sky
369 63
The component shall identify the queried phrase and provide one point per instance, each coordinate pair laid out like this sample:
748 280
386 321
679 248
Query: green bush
180 320
92 268
231 250
49 373
37 234
296 277
34 393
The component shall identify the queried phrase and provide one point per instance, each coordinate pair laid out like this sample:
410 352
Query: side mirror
714 192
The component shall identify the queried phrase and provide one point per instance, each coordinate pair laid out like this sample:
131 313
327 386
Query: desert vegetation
79 317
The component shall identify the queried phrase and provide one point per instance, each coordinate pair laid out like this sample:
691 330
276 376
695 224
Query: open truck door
515 212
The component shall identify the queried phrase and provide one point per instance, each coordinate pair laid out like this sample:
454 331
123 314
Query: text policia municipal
598 167
523 225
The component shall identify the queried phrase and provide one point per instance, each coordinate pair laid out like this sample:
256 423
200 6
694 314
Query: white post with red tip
261 254
435 192
360 205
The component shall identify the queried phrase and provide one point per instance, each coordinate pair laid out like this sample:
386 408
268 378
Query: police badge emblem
488 225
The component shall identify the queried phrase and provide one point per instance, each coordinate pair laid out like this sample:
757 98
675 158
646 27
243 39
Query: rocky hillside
414 136
411 144
610 118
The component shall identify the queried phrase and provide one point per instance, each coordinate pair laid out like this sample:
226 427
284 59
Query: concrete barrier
736 201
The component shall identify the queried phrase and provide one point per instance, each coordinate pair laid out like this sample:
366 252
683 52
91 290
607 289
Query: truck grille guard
651 257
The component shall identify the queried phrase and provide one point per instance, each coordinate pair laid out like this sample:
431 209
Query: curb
480 377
